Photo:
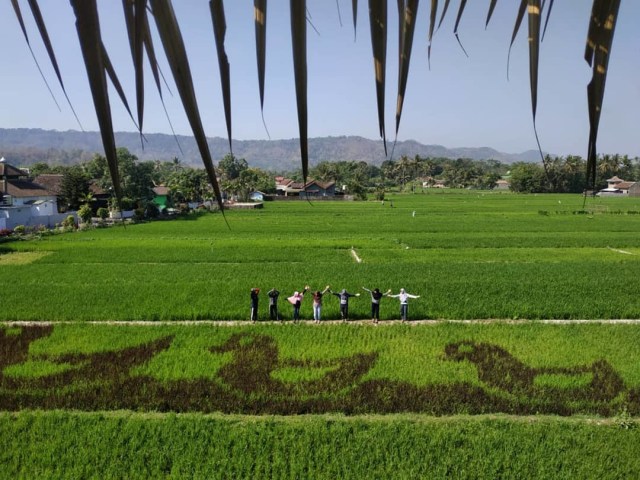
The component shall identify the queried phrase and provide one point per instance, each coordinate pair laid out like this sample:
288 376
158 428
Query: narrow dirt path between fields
237 323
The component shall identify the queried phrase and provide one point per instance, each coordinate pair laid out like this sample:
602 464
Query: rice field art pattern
255 378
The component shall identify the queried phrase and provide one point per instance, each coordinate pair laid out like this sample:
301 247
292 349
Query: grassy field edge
124 444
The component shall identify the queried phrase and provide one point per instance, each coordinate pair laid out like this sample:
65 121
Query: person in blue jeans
317 303
296 301
404 297
344 296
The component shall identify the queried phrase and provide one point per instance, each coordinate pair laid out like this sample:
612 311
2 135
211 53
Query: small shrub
19 229
69 222
5 232
85 213
102 213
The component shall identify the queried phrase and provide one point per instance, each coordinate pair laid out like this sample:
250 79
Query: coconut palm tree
139 14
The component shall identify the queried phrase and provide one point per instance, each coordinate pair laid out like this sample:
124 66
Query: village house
502 184
617 186
25 202
313 188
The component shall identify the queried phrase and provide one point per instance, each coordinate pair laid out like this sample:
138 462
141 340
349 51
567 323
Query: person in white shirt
404 302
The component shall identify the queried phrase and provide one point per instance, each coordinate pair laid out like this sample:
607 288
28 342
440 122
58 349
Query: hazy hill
24 146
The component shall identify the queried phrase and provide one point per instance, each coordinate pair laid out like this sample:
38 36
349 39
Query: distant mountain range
26 146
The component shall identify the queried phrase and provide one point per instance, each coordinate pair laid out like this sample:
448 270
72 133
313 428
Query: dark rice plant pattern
247 384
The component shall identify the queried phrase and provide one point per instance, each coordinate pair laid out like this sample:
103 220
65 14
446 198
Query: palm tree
139 14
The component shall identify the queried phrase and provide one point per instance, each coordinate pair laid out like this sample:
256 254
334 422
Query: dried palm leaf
492 7
260 21
408 28
546 22
354 7
16 8
220 31
378 25
604 15
444 12
134 14
463 4
44 34
173 43
106 61
432 23
521 11
299 44
89 36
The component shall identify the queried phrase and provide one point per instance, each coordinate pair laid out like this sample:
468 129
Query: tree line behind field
556 175
238 179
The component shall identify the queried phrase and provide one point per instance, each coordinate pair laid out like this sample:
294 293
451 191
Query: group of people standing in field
343 295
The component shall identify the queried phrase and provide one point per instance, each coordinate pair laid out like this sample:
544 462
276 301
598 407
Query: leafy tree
527 178
188 185
74 187
136 177
231 167
39 168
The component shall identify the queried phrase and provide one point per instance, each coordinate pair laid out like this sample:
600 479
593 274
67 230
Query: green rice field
486 388
468 255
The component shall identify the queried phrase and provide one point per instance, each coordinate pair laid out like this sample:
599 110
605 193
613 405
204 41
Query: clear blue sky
460 102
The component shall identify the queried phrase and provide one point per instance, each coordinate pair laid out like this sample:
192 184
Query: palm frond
444 12
408 28
18 12
134 14
354 8
220 31
299 44
492 7
378 25
260 20
90 39
106 62
546 22
463 4
604 15
44 34
171 38
432 23
521 11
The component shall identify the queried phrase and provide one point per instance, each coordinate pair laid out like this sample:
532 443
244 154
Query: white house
617 186
25 202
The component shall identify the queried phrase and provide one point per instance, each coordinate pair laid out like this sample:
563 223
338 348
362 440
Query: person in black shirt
273 303
376 295
254 304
